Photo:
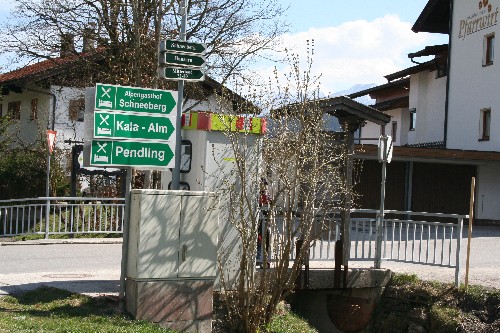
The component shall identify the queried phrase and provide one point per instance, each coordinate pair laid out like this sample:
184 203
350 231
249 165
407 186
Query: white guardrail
412 237
65 215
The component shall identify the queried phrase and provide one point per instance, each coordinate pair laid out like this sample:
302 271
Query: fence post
459 245
378 240
47 216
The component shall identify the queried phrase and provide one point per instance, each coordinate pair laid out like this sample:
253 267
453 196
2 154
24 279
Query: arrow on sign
187 74
183 47
183 60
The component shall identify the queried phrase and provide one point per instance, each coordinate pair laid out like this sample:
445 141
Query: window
34 109
413 119
77 109
484 125
440 70
14 109
394 132
488 49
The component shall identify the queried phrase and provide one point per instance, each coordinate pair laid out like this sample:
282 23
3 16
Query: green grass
444 319
54 310
284 321
402 279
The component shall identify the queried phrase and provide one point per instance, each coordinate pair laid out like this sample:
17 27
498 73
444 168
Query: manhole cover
67 276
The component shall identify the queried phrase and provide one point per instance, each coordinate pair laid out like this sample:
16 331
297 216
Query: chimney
67 45
89 38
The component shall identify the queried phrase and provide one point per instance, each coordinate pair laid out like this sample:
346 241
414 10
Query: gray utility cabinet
173 235
172 257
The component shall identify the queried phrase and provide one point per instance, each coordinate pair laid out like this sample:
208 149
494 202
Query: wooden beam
404 153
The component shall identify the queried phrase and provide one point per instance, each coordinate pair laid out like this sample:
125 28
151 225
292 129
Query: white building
40 97
444 115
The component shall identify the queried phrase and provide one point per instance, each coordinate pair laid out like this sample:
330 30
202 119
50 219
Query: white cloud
358 51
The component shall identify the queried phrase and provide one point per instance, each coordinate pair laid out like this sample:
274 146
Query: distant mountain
366 100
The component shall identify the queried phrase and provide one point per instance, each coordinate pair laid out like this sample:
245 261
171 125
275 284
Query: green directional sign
133 154
184 59
183 47
178 73
115 125
131 99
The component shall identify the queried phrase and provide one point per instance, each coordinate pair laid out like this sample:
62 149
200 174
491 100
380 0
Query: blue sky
356 41
326 13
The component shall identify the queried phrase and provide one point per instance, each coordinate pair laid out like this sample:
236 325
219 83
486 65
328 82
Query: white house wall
397 115
487 192
473 86
372 130
66 128
427 97
28 131
211 104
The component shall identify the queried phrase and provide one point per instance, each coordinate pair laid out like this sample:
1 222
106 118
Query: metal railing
61 215
412 237
408 239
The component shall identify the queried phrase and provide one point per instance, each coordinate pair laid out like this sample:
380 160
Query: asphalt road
94 268
91 268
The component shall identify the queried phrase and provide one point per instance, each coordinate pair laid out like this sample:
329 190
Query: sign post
154 155
384 156
51 139
176 173
184 61
182 46
132 99
132 127
186 74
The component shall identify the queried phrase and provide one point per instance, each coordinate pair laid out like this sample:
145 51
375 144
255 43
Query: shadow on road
87 287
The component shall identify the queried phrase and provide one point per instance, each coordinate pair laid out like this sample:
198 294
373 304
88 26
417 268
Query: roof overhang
395 103
435 17
430 154
431 64
345 108
429 51
18 79
400 84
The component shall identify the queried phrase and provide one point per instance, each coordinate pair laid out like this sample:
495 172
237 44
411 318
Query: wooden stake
471 218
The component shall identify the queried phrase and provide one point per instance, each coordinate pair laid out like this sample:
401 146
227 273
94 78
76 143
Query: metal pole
176 173
47 194
380 215
459 247
346 227
469 237
125 230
